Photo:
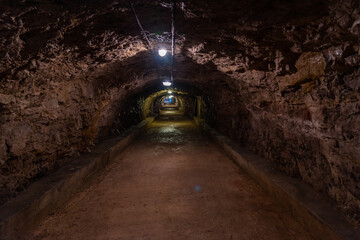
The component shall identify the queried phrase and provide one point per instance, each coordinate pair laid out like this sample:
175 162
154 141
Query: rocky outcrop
55 98
296 100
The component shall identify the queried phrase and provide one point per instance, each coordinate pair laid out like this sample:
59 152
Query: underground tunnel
131 119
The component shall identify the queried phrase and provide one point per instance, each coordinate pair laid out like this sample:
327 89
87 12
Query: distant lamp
169 92
162 52
167 83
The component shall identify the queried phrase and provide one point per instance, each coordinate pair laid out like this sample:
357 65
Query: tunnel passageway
172 183
170 107
276 84
171 112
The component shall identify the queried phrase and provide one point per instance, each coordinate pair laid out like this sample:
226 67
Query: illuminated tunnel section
279 78
187 101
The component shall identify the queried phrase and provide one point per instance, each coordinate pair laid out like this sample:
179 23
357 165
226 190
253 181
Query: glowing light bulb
162 52
171 96
167 83
169 92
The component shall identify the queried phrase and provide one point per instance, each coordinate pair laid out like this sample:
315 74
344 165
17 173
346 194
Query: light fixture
167 83
171 96
162 52
169 92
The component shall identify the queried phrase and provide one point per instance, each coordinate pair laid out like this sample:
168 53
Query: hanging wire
140 26
173 6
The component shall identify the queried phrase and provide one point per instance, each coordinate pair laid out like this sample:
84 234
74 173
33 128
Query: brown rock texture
281 77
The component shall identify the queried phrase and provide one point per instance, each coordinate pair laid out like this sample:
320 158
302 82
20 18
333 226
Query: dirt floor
172 183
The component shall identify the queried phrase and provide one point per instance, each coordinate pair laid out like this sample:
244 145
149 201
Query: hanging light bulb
162 52
167 83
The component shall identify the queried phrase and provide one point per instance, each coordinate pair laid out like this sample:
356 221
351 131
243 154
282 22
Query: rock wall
282 77
297 101
63 84
307 124
40 129
188 105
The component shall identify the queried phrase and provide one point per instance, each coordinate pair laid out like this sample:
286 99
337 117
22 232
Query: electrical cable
140 26
173 6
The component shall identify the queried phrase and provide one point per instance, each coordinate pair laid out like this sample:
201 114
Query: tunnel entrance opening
171 105
182 99
170 102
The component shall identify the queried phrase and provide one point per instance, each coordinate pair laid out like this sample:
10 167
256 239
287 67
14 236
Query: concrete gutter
317 213
41 198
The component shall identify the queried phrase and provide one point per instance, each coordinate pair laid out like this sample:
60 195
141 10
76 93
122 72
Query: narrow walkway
172 183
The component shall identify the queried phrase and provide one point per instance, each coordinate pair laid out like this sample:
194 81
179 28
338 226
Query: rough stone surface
281 77
173 183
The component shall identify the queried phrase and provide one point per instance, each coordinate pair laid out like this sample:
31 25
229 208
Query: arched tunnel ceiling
233 36
283 76
100 41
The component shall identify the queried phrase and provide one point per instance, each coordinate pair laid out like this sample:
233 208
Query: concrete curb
28 209
308 206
